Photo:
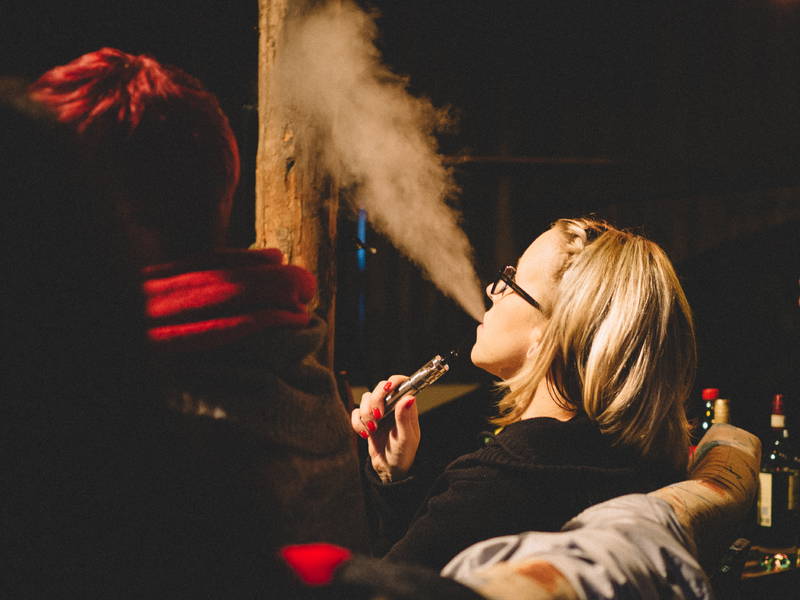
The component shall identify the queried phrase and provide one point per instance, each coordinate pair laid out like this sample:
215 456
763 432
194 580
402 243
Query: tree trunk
296 205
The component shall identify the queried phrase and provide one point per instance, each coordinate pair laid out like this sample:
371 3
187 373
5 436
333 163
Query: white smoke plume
371 134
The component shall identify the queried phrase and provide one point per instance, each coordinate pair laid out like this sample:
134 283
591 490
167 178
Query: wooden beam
296 205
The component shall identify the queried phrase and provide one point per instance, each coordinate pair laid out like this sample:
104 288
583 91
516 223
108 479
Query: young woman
593 340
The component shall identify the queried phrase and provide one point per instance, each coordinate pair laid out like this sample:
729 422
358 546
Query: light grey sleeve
631 547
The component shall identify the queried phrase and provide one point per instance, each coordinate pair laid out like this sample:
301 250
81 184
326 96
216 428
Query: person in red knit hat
160 140
231 328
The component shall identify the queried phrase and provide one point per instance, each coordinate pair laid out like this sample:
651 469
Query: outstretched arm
647 545
722 484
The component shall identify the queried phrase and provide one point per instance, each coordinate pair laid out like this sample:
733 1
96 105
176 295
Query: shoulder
279 359
546 445
548 441
548 450
274 347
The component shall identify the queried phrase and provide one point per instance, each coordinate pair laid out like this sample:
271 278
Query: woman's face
512 327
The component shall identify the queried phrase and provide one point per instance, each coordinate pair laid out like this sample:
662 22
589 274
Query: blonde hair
619 344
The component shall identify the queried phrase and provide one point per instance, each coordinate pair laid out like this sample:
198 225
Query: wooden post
296 205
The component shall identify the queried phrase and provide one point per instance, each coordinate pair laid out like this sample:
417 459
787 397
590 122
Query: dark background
678 119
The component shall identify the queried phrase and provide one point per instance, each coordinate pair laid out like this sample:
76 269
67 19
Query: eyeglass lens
499 286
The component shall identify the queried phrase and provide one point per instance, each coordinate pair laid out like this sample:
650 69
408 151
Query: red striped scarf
211 301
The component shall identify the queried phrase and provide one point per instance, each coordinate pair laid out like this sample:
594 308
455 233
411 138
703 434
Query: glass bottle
779 495
709 396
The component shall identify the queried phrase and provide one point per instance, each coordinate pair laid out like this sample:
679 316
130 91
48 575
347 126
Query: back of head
158 135
619 345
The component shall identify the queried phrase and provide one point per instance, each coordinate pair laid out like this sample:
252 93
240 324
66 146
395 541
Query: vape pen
419 380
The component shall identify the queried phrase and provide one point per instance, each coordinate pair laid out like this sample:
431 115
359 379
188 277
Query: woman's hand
391 449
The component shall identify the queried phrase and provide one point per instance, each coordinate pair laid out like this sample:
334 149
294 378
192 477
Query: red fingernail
371 425
387 386
363 434
410 402
376 412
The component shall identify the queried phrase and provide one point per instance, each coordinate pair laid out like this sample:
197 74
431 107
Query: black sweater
533 476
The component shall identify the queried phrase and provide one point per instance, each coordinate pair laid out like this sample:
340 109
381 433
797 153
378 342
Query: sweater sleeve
632 546
460 510
392 506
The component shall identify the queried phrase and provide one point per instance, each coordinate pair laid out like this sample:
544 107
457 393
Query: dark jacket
270 393
533 476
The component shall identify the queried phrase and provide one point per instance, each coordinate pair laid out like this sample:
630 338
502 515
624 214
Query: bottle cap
777 404
710 394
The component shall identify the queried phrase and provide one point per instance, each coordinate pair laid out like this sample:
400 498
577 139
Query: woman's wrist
384 476
389 474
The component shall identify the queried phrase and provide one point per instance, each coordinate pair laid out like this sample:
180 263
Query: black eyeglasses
505 278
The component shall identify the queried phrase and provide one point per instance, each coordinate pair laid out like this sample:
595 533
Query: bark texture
296 204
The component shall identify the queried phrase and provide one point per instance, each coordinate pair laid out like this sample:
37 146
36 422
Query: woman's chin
478 361
475 357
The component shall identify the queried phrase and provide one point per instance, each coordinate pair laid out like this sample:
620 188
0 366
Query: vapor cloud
371 134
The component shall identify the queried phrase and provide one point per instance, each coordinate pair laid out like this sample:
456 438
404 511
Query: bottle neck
779 444
779 433
721 413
